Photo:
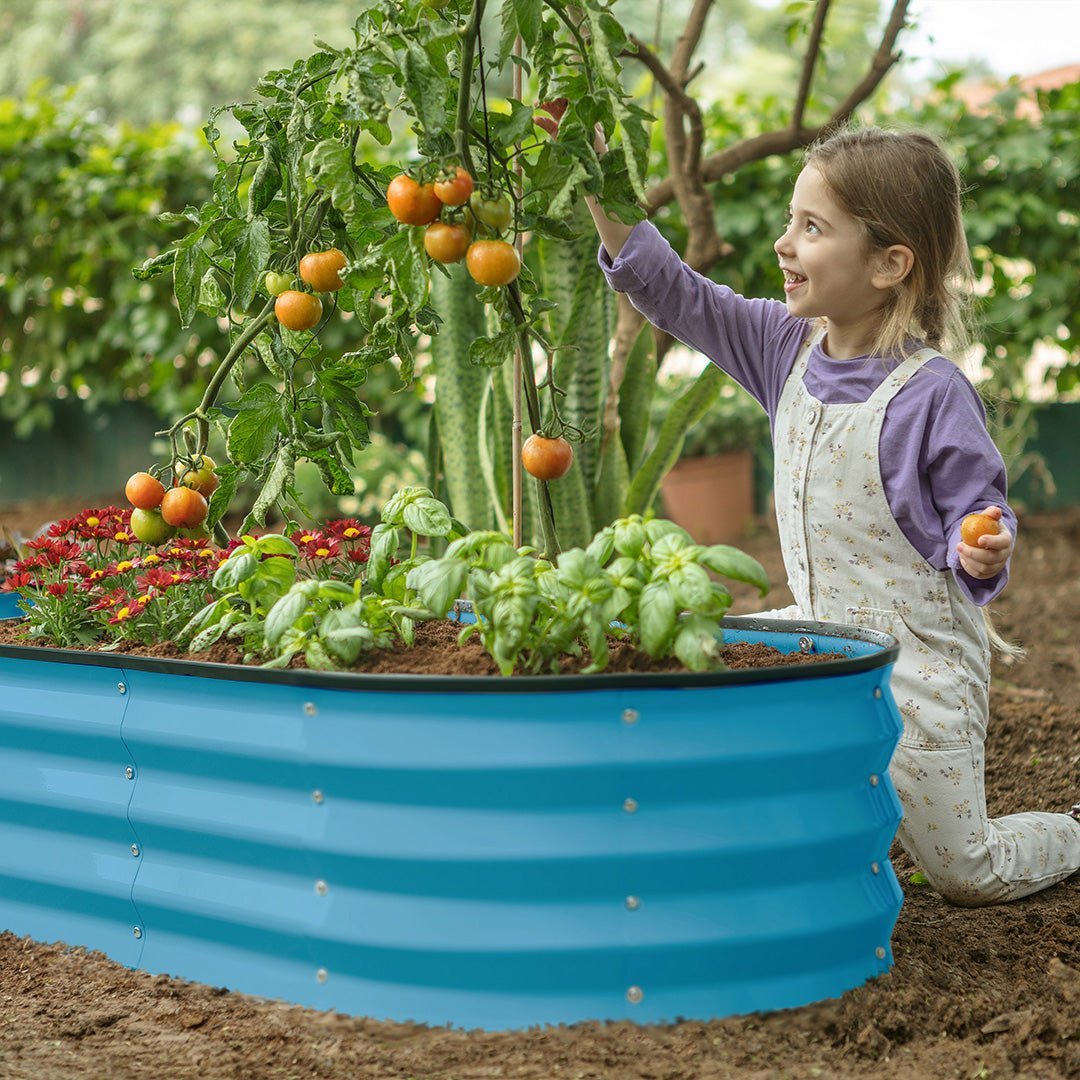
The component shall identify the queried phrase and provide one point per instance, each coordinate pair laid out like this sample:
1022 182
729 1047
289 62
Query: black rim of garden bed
886 653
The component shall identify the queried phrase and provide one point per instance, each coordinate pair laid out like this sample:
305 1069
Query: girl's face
827 265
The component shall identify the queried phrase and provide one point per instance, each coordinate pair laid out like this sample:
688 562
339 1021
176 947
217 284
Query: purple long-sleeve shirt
938 462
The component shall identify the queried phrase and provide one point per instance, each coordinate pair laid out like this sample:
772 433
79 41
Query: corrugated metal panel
487 859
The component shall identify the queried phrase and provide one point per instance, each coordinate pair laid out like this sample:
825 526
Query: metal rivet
633 903
877 691
634 994
129 772
630 805
137 931
317 796
630 716
322 975
121 687
879 952
875 868
322 888
806 644
310 708
135 850
873 780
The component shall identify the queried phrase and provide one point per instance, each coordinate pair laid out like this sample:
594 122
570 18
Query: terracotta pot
711 497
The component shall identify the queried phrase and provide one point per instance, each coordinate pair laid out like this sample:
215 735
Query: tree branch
718 165
813 50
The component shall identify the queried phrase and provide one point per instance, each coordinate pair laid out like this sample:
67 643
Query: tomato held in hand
412 203
201 476
493 262
454 190
149 527
494 211
297 310
144 491
447 243
184 507
547 459
276 283
976 525
320 269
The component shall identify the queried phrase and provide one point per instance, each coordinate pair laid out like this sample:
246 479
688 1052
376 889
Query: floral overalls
848 561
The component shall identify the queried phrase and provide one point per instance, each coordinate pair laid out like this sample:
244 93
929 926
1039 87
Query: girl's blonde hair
904 189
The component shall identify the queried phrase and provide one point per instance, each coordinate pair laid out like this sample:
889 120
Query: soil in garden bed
985 993
436 652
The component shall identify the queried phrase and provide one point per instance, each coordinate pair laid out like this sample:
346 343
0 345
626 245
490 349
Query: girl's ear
894 263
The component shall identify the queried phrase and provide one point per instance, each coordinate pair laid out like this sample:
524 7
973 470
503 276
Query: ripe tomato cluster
299 310
489 261
159 511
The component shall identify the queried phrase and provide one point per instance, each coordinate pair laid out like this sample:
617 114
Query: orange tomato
454 190
447 243
412 203
144 491
320 269
547 459
492 262
297 310
976 525
201 476
184 507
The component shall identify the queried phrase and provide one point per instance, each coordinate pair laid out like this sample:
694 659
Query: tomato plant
547 459
144 491
297 310
446 242
493 262
306 187
321 269
184 507
411 202
454 190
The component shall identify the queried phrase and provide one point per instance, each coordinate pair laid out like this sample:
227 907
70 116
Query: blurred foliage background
101 107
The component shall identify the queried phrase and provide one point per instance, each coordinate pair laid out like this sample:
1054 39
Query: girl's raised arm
613 233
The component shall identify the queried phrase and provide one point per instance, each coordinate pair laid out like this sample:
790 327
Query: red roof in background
977 94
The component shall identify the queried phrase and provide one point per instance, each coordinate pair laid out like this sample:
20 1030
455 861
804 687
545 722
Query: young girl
881 450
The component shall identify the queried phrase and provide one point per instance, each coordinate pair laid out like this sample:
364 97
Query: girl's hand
992 553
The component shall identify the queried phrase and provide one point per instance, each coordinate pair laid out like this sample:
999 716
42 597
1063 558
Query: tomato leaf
159 264
277 476
332 167
426 88
252 255
228 481
190 264
346 410
254 429
337 478
493 351
266 182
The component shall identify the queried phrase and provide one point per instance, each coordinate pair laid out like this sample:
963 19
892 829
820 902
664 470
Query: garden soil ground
978 994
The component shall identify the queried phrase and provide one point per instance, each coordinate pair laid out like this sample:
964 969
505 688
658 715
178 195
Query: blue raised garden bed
486 852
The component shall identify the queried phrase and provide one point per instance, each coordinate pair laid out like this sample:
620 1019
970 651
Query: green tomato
435 5
150 527
276 283
495 212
